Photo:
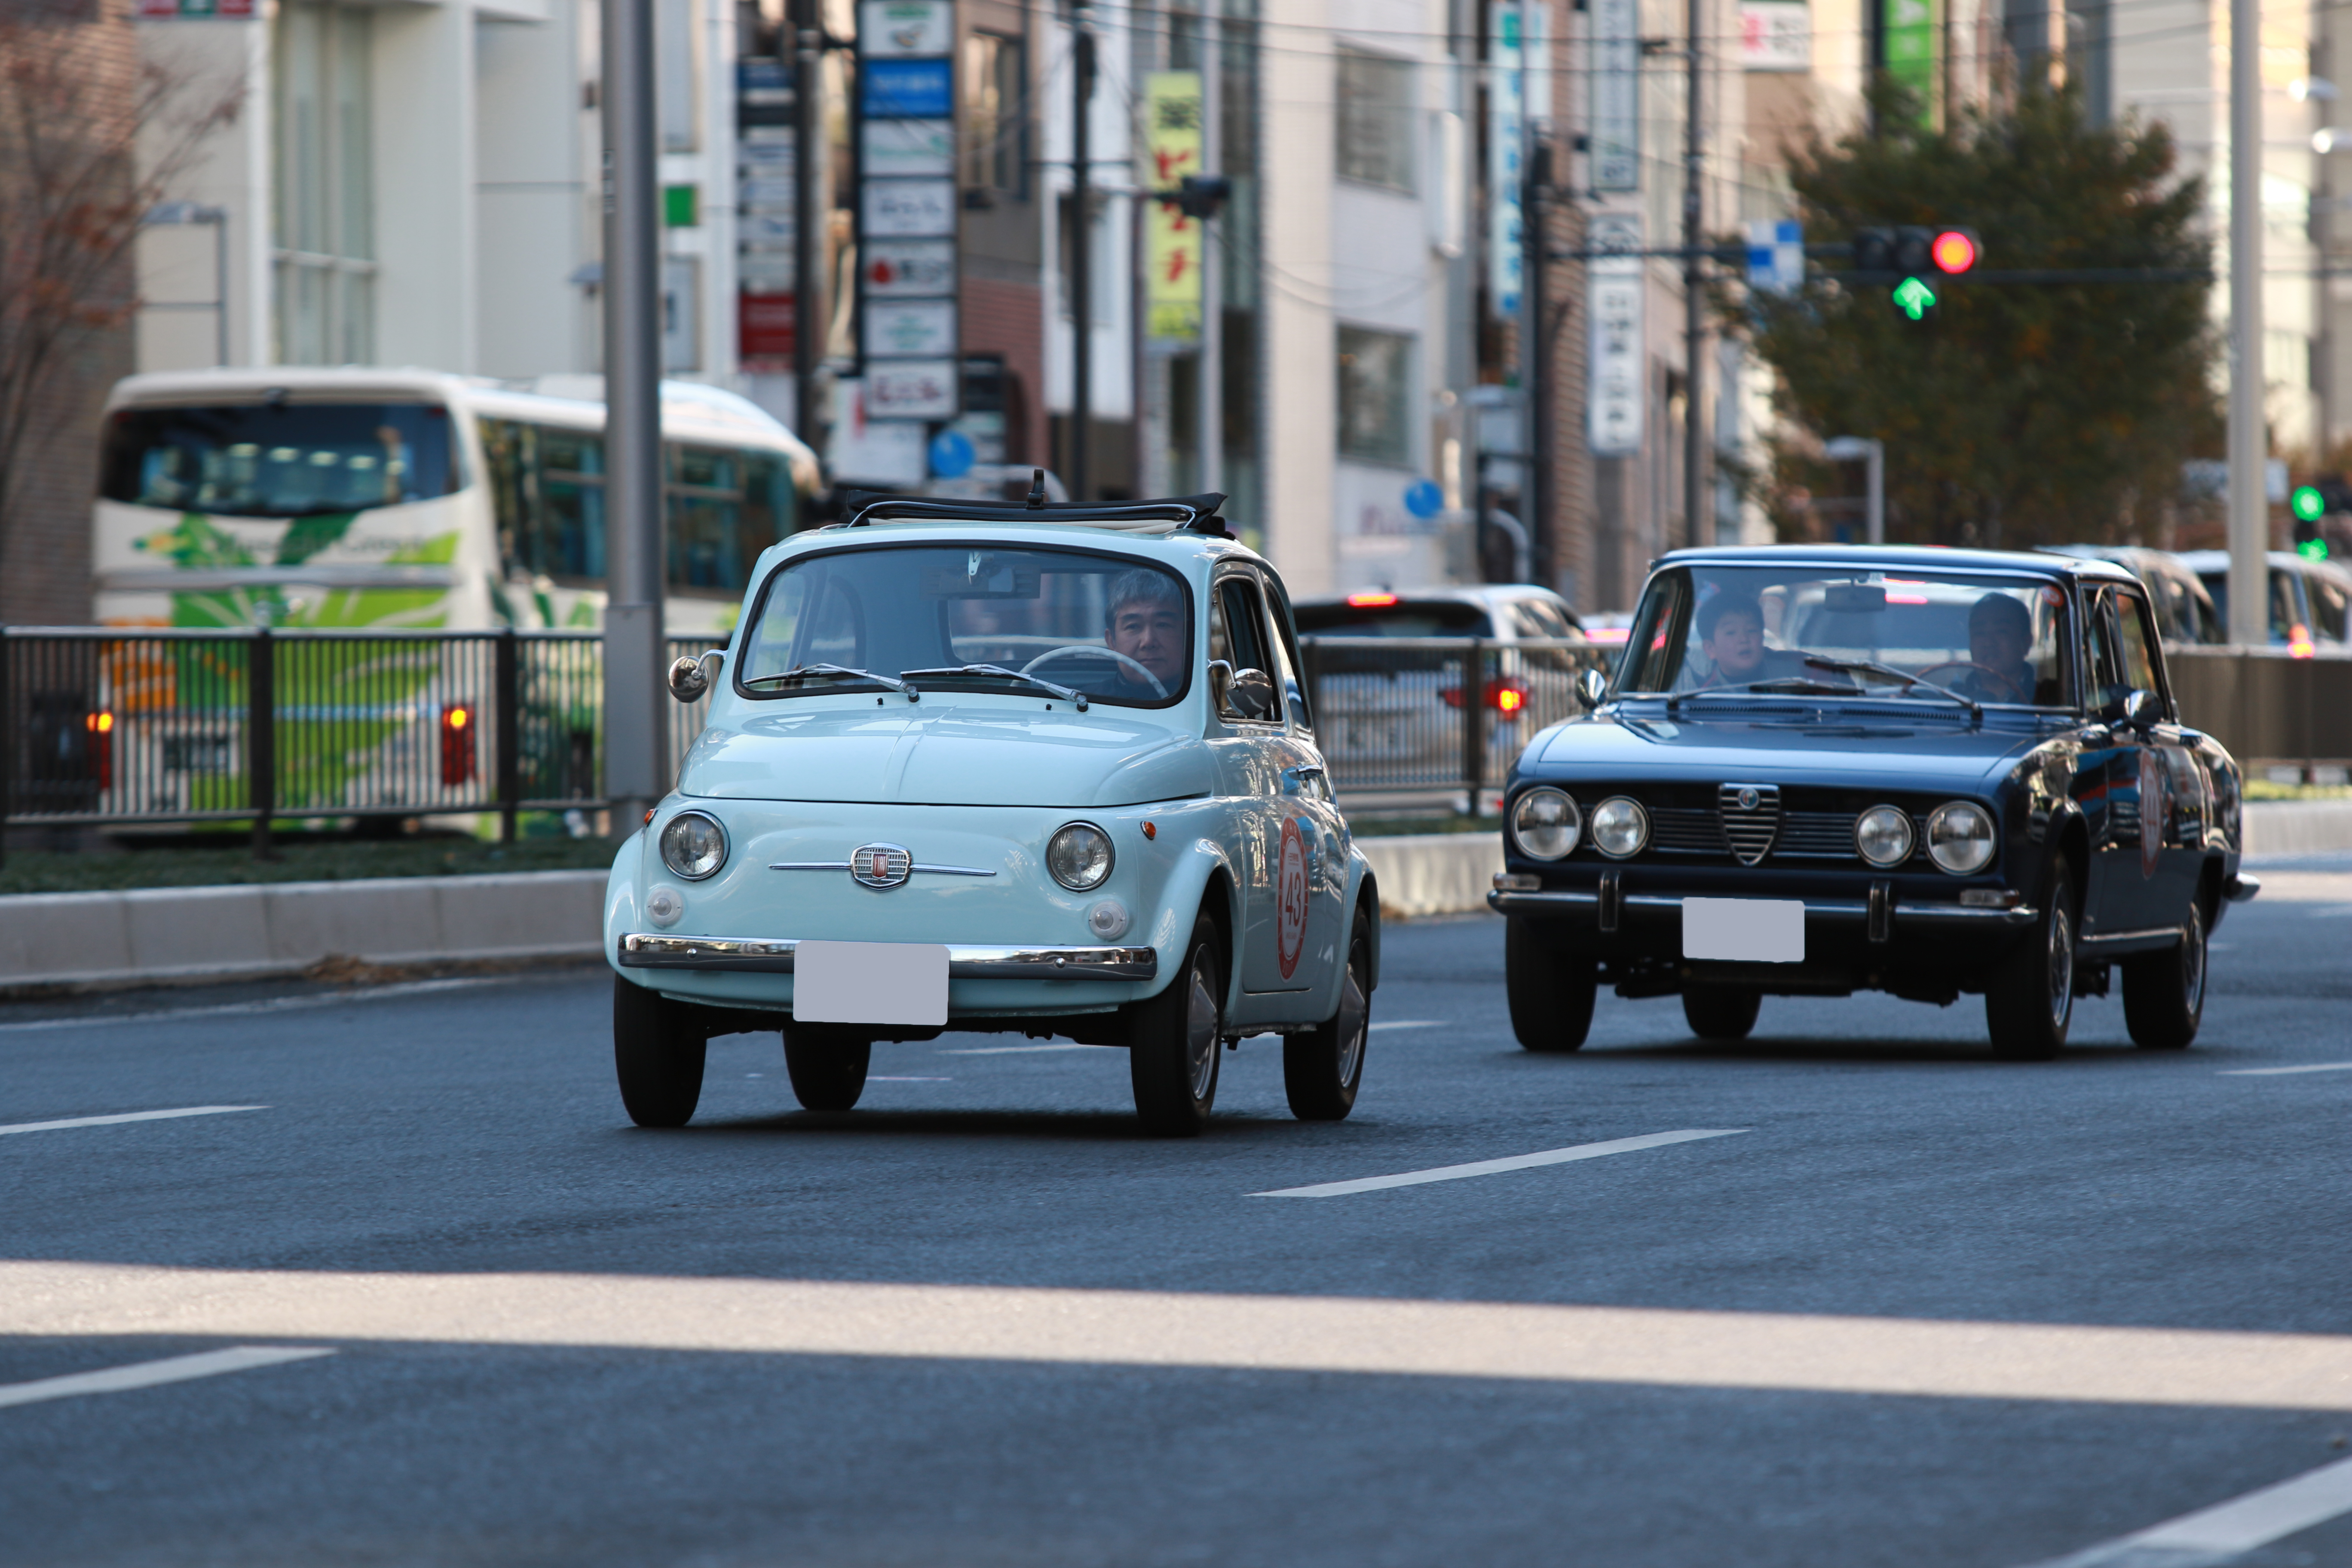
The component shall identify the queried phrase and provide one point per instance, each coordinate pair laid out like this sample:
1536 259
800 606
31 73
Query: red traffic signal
1954 250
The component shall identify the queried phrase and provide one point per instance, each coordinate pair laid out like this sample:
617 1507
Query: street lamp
171 215
2328 141
1871 450
2311 89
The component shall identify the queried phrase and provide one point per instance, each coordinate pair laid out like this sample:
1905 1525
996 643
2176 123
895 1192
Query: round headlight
1546 823
1883 835
1619 826
1959 837
1079 857
693 845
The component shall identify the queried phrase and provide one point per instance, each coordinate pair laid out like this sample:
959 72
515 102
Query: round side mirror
1251 695
1590 687
2142 708
689 678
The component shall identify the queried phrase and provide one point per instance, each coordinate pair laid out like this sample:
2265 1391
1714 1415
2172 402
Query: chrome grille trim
1750 829
773 955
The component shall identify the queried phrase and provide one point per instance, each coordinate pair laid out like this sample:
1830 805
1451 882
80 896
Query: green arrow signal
1914 297
2306 503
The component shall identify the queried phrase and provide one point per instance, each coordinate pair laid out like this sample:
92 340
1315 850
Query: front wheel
2164 993
1172 1054
2029 1001
1725 1012
827 1066
1550 990
658 1051
1320 1070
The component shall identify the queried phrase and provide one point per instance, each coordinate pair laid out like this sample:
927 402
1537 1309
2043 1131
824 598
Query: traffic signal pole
2249 608
1694 274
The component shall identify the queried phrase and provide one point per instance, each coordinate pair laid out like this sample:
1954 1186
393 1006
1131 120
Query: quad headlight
1960 837
1619 826
1546 823
1883 836
1079 857
693 845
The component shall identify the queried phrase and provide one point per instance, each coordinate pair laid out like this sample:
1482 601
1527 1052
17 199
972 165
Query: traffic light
1913 299
1955 251
1914 255
1873 250
2307 505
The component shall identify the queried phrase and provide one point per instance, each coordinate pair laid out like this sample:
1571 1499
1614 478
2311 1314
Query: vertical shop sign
1910 34
908 328
1173 239
766 159
1616 135
1614 355
1506 114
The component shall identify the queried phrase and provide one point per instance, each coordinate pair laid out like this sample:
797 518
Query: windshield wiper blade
1866 667
1778 685
1067 694
802 671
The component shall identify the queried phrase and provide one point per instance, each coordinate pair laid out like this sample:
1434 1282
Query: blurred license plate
1745 930
869 982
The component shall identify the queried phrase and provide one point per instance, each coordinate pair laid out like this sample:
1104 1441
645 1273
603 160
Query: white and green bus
352 497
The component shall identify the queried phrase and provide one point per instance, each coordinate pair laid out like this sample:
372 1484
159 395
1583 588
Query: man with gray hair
1147 624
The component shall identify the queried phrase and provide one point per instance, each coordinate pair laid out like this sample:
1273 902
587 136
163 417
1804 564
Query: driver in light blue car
1147 624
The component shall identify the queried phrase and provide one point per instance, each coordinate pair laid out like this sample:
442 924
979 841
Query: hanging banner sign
910 268
1616 111
886 28
1172 241
1614 355
1910 31
908 331
1776 36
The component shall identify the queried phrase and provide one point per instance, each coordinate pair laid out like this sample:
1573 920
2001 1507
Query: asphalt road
556 1339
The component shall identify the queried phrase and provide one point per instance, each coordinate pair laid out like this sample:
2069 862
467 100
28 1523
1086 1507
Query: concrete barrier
1433 873
2297 827
254 931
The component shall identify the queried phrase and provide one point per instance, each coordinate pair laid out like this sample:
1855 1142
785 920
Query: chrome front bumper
773 955
1826 908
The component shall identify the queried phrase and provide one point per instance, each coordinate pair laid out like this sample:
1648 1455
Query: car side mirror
2141 708
690 678
1250 695
1592 687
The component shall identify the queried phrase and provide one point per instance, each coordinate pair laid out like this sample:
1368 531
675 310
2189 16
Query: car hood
947 754
1796 749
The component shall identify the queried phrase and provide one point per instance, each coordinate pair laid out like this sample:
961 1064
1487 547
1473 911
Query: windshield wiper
1067 694
1778 685
802 671
1866 667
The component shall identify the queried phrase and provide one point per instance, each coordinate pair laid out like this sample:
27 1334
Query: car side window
2134 646
2327 609
2100 658
1237 635
1287 675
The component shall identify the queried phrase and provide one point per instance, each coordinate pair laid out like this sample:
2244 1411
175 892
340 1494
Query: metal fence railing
2268 707
112 725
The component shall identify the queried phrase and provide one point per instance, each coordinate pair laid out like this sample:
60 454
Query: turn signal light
100 747
1508 698
456 744
1371 600
2298 642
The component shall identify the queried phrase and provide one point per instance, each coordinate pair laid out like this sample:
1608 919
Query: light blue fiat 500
1048 770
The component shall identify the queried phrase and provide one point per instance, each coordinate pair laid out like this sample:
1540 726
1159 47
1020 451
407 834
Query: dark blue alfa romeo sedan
1821 770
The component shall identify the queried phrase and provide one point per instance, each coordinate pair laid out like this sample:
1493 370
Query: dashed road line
1015 1050
150 1373
2227 1531
2282 1072
271 1005
127 1116
1496 1167
1408 1024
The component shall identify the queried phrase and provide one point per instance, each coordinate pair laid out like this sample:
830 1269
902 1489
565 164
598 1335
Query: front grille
1816 833
1685 830
1751 819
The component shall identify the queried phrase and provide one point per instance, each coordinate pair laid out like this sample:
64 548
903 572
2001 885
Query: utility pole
808 128
2250 512
1535 358
1210 422
1693 277
1082 304
636 732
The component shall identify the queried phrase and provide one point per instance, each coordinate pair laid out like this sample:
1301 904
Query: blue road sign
1423 499
951 453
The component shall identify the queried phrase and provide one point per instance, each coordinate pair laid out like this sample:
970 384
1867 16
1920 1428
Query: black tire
657 1050
1721 1012
1550 990
2164 993
2029 1001
1174 1038
827 1065
1320 1071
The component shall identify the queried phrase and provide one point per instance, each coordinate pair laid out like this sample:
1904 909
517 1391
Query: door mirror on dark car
2141 708
1592 686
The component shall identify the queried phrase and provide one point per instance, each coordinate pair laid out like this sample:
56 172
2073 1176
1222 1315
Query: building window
1375 130
325 251
1375 395
995 117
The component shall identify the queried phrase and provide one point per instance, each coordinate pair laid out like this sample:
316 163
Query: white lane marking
879 1077
2228 1530
128 1116
1015 1050
2281 1072
1532 1341
273 1004
1493 1167
149 1374
1410 1023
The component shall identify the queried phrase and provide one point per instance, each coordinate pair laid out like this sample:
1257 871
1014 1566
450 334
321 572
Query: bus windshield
278 460
976 617
1859 629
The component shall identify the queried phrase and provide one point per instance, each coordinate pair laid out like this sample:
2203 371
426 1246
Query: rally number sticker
1290 899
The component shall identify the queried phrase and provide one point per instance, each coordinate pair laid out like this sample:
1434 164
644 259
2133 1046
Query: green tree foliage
2016 414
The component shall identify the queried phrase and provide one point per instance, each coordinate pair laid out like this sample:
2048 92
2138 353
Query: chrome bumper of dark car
773 955
1826 908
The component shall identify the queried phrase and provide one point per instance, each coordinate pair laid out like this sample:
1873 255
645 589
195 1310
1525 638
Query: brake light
2298 642
101 746
456 744
1504 697
1371 600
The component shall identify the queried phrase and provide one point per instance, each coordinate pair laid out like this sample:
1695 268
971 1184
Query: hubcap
1355 1015
2192 963
1200 1027
2062 963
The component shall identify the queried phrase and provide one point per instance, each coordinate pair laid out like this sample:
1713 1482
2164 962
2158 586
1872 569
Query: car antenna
1036 489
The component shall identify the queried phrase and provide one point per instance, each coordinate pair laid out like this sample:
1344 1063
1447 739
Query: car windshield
1989 639
1113 627
278 460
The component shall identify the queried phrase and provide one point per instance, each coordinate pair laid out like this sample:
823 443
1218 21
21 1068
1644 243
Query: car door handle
1294 780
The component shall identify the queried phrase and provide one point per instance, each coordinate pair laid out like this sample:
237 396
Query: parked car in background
2311 601
1392 714
2185 610
1932 772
